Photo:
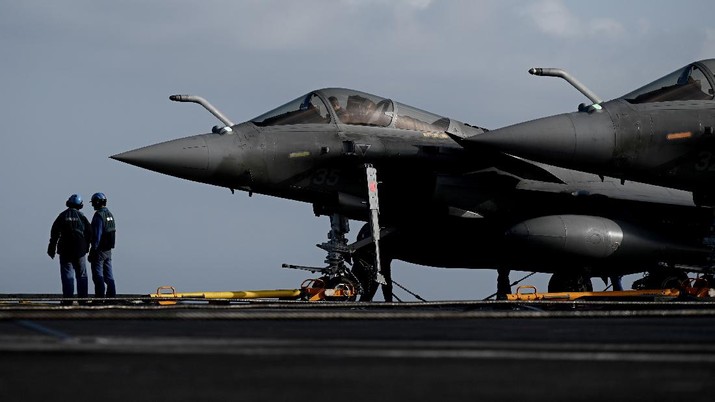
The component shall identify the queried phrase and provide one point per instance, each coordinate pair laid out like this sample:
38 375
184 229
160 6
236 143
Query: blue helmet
99 200
75 201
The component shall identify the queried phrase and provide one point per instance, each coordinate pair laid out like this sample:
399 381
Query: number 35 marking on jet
328 177
705 162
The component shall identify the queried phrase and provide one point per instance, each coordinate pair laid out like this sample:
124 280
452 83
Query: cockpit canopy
692 82
345 106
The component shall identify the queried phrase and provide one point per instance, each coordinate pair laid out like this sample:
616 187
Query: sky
83 80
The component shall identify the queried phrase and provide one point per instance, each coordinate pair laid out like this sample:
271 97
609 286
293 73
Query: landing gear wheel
675 281
341 282
570 282
364 266
662 279
365 272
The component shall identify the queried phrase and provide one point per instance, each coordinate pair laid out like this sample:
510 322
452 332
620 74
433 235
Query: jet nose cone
547 139
579 140
185 157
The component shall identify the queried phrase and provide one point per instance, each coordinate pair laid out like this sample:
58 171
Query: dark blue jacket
103 230
71 234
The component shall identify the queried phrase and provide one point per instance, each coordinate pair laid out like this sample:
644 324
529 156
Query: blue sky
82 80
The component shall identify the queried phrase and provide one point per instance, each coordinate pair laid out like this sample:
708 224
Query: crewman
100 256
69 237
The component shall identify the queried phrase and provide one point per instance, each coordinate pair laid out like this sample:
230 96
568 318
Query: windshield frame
297 112
349 107
678 86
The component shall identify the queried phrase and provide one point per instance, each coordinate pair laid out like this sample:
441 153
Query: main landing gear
579 281
662 277
570 282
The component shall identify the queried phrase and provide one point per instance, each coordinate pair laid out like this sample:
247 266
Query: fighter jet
661 133
439 205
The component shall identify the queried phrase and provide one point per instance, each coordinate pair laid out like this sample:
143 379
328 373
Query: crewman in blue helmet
69 237
100 256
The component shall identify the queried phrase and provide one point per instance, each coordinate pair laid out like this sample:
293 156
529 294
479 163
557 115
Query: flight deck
136 349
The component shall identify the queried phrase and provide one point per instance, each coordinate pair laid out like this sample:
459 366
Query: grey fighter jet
661 133
439 204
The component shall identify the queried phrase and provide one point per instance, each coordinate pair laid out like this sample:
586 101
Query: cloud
553 18
265 26
419 4
606 27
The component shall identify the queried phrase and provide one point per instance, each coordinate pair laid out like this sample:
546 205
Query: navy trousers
102 275
71 269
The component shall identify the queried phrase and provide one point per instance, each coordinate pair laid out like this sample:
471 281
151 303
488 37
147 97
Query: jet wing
521 169
582 184
535 176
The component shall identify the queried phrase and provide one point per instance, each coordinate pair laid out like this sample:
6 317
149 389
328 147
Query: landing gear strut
337 244
616 282
335 274
503 283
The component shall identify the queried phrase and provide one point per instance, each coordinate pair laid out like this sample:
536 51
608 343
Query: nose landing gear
335 275
369 267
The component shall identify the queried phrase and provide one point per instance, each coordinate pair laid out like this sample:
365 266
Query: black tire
341 281
662 279
675 280
570 282
364 272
